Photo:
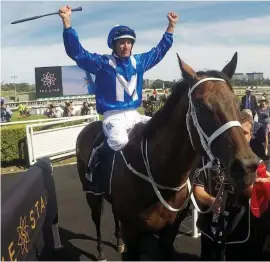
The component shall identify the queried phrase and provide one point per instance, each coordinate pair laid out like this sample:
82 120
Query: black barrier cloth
29 207
48 81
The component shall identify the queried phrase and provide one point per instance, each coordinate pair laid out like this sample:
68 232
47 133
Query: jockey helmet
118 32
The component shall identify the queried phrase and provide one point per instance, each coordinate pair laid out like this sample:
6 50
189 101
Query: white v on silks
116 123
121 84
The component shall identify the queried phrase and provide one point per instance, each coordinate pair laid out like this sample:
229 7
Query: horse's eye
199 105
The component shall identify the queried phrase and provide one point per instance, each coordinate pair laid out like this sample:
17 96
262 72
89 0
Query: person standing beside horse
237 227
259 140
263 112
119 78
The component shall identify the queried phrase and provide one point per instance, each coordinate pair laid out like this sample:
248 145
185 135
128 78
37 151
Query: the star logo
23 235
48 79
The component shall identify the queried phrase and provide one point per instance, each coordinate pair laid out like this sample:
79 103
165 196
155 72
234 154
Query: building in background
147 83
239 76
254 76
25 96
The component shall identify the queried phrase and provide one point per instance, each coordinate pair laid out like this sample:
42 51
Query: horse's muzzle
243 172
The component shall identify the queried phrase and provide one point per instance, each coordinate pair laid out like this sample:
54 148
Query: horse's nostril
253 167
244 169
237 167
250 164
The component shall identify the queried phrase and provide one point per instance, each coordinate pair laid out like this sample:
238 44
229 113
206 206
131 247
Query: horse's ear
229 69
187 72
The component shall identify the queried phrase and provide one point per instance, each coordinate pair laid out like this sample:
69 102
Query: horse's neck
170 152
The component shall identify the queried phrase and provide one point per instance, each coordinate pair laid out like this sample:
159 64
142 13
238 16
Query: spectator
68 110
166 92
264 96
6 113
263 113
249 101
52 112
259 140
147 108
26 111
85 109
205 190
21 109
155 94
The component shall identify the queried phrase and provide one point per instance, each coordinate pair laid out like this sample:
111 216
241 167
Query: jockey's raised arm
87 61
84 59
156 54
119 77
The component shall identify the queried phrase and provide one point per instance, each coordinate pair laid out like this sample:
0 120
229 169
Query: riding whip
39 16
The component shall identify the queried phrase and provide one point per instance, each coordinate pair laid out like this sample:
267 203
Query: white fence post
195 233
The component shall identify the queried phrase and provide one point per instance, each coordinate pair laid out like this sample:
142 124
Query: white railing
29 105
46 101
55 143
44 120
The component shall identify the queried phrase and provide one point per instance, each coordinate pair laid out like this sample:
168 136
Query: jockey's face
123 47
247 128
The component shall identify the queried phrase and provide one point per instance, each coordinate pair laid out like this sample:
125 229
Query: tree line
158 84
20 87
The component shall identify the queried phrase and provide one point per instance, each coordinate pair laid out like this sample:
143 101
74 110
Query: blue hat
118 32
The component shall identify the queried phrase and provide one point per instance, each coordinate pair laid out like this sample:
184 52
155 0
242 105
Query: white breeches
117 123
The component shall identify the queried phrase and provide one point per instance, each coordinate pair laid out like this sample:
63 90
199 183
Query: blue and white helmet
118 32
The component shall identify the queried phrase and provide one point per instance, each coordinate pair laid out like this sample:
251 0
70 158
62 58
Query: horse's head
212 121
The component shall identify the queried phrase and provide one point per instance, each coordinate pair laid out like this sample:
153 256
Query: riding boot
106 159
106 155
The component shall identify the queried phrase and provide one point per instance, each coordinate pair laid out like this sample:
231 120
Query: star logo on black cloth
23 235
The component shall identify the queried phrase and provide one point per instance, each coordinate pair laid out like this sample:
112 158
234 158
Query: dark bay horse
200 116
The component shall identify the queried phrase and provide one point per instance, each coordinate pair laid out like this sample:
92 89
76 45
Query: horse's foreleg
168 234
131 241
118 233
96 205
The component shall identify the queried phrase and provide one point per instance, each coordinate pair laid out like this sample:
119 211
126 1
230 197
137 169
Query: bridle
206 144
204 139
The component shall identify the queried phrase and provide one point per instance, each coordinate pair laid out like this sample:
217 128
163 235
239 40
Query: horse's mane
177 91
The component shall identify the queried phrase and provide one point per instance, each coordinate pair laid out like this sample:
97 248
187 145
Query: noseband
204 139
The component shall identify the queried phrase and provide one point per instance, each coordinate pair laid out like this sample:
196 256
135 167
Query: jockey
119 76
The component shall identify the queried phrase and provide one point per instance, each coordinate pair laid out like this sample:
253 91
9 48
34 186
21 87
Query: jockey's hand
65 12
173 18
